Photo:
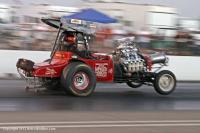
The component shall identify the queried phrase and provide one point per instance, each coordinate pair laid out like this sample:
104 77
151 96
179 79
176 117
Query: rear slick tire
78 79
165 82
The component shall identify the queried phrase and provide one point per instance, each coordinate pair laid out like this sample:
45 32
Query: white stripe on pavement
99 122
103 126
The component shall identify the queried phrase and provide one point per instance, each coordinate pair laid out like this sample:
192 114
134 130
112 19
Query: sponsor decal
76 21
101 69
50 71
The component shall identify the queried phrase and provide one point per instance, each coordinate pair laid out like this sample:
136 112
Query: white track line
100 122
104 126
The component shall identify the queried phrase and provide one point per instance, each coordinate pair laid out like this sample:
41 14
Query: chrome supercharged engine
131 61
128 57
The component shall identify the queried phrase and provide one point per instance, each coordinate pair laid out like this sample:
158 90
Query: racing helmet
70 39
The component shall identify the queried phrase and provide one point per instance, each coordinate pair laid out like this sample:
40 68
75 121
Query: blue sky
186 8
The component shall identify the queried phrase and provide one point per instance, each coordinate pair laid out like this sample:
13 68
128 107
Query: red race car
76 69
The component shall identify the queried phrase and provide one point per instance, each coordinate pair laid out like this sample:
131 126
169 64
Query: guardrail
186 68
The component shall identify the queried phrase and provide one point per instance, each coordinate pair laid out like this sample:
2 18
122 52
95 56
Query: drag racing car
76 69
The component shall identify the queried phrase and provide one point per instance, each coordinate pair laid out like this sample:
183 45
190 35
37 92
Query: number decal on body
101 69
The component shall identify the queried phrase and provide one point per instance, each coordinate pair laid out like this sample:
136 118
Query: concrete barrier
186 68
9 59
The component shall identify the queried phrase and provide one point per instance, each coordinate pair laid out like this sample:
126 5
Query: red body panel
102 66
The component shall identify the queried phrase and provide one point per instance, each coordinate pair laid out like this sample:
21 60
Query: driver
74 43
68 42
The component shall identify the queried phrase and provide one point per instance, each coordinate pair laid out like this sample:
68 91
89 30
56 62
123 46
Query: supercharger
131 61
128 55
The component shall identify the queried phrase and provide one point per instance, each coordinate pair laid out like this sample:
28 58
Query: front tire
165 82
78 79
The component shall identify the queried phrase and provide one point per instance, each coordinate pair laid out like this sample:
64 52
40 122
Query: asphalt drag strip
98 124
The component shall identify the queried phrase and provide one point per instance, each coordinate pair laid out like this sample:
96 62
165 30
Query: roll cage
69 25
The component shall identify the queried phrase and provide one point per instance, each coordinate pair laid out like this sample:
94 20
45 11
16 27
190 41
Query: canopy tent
92 16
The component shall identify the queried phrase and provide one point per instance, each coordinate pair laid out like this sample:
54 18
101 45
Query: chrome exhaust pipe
159 58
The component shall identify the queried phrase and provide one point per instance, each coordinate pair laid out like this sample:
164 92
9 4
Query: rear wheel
165 82
78 79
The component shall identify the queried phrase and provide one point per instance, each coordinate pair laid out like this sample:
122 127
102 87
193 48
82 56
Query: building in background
5 13
189 24
58 11
34 12
154 26
136 17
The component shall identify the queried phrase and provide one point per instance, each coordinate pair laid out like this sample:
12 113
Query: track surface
113 108
107 97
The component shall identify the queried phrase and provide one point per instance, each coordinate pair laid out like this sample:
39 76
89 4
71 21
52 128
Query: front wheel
78 79
165 82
